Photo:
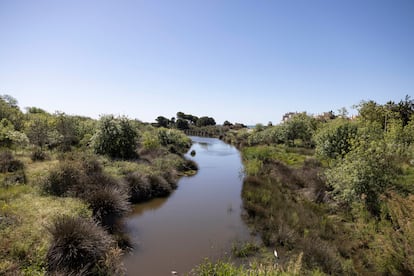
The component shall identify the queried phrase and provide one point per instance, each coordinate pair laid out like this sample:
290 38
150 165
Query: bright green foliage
10 111
301 127
115 137
335 138
9 136
269 153
372 112
363 175
150 141
298 131
174 138
5 127
271 135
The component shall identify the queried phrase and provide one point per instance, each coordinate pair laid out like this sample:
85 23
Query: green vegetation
331 194
336 192
66 180
196 126
115 137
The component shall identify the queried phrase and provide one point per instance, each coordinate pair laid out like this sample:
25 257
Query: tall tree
162 121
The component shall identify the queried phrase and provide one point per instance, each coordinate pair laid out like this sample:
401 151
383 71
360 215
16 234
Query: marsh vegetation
333 194
67 180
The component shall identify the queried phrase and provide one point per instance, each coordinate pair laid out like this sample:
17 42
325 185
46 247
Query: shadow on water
202 218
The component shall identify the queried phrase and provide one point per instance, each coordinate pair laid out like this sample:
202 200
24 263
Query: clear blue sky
242 61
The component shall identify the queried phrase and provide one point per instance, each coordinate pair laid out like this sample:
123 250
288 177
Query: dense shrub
363 175
174 140
335 138
13 169
63 180
139 187
39 155
78 247
108 203
159 186
115 137
8 163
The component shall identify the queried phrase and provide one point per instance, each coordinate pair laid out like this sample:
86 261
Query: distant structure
288 116
326 116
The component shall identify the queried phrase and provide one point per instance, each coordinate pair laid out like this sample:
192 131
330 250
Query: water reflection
200 219
151 205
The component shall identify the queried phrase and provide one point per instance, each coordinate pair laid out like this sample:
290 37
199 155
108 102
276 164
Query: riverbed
201 219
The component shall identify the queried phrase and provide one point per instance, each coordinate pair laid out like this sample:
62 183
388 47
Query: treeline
334 194
85 174
184 121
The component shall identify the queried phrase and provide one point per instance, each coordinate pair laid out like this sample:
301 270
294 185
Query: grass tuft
77 246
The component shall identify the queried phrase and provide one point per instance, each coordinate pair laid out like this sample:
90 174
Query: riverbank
333 199
56 205
201 219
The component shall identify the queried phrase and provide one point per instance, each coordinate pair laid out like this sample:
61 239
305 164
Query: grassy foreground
72 200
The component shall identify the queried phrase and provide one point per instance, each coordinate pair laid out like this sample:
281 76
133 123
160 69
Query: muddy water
201 219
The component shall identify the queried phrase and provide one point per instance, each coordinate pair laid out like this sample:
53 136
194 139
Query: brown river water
201 219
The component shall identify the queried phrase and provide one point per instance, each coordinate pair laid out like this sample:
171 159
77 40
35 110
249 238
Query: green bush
176 141
335 138
63 180
115 137
363 175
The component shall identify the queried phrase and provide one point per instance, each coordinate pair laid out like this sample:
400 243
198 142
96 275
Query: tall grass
24 214
282 205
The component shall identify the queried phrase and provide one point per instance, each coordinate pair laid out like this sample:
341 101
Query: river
201 219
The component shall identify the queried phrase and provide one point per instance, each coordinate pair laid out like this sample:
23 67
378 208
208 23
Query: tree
372 112
162 121
38 130
405 109
182 124
5 128
300 127
335 138
188 117
9 137
363 174
205 121
115 137
227 123
35 110
10 111
66 127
